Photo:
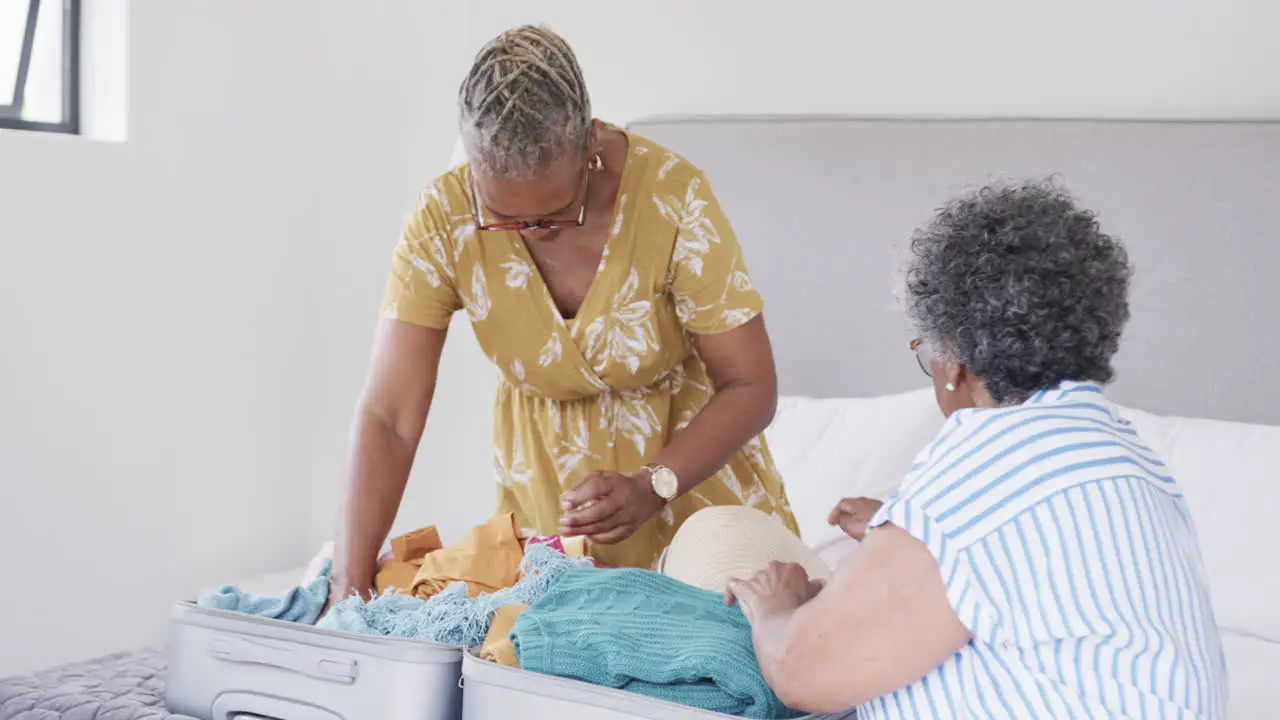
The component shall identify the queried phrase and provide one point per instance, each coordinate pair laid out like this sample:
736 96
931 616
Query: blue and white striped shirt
1067 550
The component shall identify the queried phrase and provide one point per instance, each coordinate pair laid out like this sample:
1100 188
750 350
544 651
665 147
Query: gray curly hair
1021 286
523 104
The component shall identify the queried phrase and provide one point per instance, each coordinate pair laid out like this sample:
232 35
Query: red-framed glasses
522 225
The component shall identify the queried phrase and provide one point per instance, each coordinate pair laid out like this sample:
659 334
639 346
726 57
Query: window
40 65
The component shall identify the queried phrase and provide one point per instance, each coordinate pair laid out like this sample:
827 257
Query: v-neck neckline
522 247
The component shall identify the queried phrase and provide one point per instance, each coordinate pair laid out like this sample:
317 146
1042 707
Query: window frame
11 114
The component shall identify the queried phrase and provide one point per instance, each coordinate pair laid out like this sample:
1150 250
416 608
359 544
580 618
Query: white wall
173 307
1086 58
185 317
452 482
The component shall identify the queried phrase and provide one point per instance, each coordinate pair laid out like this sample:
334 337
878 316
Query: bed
124 686
823 206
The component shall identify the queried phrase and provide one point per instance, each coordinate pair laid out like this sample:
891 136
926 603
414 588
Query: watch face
665 483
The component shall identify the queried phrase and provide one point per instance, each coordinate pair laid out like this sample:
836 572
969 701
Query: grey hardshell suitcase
231 666
494 692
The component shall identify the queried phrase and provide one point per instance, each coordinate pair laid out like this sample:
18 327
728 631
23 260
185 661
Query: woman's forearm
379 470
771 638
735 415
389 422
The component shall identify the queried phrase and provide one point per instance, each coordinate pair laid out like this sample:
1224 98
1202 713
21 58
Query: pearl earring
951 387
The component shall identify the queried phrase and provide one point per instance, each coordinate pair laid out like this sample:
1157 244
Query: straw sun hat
721 543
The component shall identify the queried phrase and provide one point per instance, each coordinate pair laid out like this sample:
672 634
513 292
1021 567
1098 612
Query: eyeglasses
521 225
925 365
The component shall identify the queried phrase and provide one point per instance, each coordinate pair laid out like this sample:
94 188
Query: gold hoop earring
596 163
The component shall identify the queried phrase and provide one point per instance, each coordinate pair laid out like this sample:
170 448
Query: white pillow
827 450
1229 473
1230 476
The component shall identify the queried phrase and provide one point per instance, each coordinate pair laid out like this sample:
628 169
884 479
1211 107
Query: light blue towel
646 633
299 604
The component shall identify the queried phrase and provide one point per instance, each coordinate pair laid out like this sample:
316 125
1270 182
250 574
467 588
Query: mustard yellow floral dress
607 389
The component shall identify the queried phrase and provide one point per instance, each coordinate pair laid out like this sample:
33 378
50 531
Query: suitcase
494 692
231 666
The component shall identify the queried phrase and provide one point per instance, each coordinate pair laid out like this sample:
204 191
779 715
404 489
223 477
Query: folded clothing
639 631
497 646
398 568
486 559
572 546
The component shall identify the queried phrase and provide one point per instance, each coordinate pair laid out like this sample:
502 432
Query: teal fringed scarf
451 617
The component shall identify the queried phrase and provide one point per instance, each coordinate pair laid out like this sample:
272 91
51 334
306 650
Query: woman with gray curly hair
604 281
1038 560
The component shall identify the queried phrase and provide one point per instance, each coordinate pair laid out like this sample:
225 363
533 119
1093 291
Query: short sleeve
420 287
710 286
964 593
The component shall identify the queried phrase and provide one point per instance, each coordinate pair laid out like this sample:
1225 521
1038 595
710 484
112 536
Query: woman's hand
341 588
329 604
345 581
608 507
780 587
852 516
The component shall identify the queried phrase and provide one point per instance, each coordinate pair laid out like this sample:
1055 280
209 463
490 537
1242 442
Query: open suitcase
496 691
231 666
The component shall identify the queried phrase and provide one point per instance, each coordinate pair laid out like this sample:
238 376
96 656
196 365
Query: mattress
123 686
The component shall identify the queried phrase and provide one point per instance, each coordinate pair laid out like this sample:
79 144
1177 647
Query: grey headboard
824 207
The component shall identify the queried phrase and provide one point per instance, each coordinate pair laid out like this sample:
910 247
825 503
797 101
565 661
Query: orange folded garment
497 645
407 552
487 559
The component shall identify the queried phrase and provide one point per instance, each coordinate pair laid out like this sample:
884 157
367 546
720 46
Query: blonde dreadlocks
523 104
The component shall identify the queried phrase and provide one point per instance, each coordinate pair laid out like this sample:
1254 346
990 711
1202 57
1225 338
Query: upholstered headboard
824 207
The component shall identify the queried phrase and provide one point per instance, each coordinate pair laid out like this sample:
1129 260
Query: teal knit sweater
648 634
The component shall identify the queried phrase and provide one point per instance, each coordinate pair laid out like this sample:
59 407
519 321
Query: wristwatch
664 482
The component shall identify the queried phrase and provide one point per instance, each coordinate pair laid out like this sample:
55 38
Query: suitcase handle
249 706
321 667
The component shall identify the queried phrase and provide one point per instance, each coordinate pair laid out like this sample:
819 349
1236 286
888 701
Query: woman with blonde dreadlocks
603 280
